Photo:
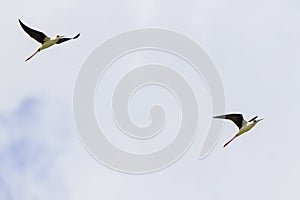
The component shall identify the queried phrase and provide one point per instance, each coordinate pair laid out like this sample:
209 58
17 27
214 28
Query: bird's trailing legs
33 54
231 140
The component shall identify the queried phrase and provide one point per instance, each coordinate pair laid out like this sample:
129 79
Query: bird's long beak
260 119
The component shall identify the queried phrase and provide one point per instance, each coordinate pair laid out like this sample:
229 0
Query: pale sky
255 47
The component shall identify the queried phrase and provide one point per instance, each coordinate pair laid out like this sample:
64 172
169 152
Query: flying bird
44 39
242 124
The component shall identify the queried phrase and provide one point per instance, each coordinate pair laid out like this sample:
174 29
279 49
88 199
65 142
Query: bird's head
257 120
254 120
59 36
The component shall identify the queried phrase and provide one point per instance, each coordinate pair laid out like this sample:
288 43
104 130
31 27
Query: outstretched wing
236 118
66 39
37 35
254 118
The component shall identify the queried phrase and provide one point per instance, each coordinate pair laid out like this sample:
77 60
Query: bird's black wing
37 35
254 118
66 39
236 118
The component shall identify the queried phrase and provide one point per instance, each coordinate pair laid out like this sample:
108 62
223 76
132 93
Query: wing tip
76 36
219 117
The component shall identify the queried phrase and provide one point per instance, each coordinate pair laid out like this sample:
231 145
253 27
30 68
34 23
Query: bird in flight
242 124
44 39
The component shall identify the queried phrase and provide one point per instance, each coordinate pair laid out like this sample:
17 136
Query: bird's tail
230 140
33 55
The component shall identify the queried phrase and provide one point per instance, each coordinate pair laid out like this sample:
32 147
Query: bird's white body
49 43
246 127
